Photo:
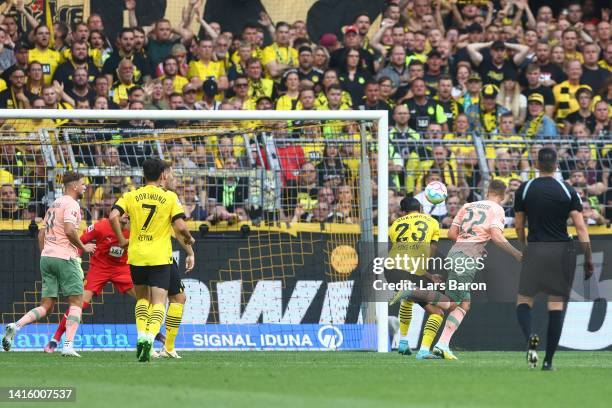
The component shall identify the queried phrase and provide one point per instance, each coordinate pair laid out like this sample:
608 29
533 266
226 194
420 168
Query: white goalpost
380 118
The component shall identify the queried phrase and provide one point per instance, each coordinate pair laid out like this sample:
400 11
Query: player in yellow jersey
415 237
474 225
154 212
176 295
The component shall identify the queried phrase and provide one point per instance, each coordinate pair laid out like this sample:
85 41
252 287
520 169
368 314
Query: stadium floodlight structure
379 118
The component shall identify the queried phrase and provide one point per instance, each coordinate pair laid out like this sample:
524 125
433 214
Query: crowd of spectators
444 70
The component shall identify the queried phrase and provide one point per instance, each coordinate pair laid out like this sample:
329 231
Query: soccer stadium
306 203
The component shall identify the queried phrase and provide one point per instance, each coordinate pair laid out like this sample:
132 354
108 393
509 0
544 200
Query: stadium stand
446 71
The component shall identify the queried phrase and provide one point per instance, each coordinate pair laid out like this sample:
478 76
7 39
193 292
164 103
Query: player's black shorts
176 284
158 275
548 267
398 275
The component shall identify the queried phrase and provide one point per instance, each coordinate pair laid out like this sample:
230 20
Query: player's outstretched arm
114 217
585 241
497 236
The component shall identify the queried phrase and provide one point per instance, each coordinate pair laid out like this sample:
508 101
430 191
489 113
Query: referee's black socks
523 314
555 324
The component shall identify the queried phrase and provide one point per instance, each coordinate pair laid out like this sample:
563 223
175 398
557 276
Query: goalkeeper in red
474 225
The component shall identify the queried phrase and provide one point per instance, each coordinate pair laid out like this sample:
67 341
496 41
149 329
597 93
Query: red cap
351 29
328 40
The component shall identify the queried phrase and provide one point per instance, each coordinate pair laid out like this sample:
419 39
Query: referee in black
549 260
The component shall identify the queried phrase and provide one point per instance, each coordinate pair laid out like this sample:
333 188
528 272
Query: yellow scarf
534 124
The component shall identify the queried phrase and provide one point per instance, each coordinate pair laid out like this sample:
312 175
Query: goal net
283 205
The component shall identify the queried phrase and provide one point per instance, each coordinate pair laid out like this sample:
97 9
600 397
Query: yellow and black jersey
412 236
286 102
152 211
49 60
604 64
565 98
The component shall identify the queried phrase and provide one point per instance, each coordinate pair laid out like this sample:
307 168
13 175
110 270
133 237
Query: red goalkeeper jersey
108 254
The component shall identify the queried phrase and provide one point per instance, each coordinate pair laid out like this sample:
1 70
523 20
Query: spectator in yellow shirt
171 70
119 92
334 99
49 58
289 101
565 92
569 41
204 67
258 86
280 56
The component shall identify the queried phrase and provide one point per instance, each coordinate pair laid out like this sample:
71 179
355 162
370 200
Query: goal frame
381 117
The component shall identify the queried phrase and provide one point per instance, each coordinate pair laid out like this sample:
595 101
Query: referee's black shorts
157 275
548 267
395 276
176 284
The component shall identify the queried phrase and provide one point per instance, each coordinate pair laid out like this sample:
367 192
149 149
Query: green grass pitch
314 379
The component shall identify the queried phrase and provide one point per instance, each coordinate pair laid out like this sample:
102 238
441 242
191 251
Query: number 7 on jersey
151 209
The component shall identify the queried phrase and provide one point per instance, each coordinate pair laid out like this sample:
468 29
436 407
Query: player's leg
46 305
61 327
405 316
432 325
156 317
72 324
141 310
556 315
141 315
461 275
158 279
453 321
176 300
71 285
173 323
405 311
160 336
424 296
50 292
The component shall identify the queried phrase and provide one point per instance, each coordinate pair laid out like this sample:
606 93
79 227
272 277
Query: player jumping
474 225
61 272
415 235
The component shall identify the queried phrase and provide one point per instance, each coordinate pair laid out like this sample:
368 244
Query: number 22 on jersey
472 219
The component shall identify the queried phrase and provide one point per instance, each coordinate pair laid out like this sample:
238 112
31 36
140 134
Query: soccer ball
435 192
